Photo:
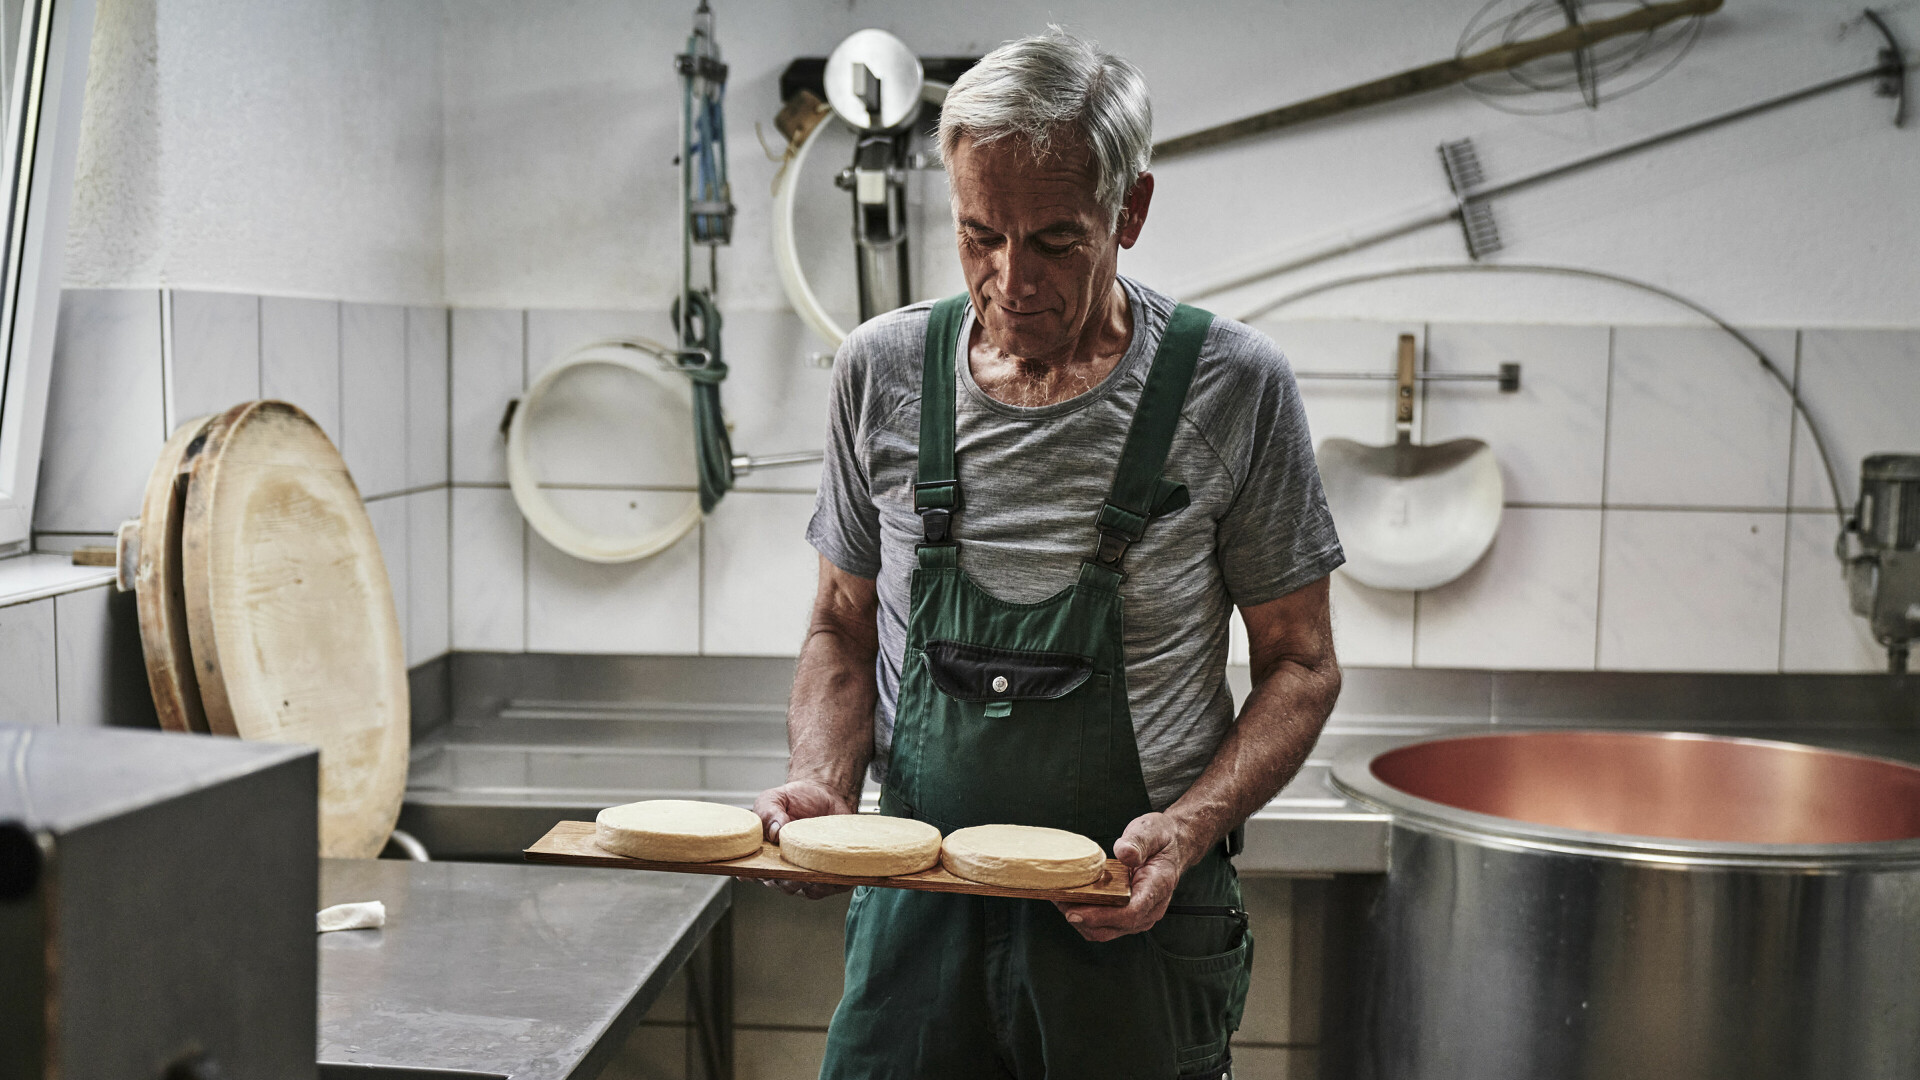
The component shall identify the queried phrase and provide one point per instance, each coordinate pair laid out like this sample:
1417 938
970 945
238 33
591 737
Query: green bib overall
1017 713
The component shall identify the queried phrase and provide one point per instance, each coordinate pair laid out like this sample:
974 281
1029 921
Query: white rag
371 915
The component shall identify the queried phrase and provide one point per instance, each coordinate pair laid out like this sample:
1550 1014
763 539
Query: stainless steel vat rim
1353 776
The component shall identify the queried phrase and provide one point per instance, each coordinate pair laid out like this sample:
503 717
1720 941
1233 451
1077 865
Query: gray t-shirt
1033 480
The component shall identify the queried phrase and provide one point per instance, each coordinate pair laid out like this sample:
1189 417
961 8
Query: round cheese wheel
1022 857
860 845
678 830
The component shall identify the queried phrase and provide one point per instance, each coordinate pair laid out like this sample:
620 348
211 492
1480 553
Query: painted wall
290 149
561 129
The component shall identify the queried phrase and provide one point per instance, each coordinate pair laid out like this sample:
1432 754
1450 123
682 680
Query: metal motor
1881 549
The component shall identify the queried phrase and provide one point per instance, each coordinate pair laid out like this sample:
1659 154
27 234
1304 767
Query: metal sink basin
1610 903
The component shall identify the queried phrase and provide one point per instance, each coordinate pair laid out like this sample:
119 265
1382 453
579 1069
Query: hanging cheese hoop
649 360
786 250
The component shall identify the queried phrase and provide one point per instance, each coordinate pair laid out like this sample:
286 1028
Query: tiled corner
488 352
1371 627
300 357
1863 387
1695 422
1691 590
428 579
649 606
105 410
373 396
1821 632
1530 603
389 517
216 352
775 396
427 377
489 566
759 573
1361 410
27 665
1550 435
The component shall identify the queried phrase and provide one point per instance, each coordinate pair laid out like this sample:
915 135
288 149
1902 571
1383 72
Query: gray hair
1041 87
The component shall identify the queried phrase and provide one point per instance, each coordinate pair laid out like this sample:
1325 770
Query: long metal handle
744 464
1508 376
1403 398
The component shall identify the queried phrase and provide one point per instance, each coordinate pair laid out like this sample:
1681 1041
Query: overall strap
1140 492
936 488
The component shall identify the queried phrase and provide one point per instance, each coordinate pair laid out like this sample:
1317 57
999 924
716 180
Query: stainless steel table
497 970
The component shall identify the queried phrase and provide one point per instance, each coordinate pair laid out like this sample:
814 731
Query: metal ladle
1411 517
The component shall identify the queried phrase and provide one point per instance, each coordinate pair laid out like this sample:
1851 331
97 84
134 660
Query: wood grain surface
291 617
159 587
571 843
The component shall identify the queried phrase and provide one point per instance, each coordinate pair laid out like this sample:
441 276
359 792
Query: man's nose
1019 273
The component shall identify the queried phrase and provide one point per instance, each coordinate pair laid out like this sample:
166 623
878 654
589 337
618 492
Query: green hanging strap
936 488
1140 492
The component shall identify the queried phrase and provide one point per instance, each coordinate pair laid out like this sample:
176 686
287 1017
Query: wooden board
291 616
571 843
160 589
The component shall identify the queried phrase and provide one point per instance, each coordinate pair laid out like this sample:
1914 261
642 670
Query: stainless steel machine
1881 549
157 894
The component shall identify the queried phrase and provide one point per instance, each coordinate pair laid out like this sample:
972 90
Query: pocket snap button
999 684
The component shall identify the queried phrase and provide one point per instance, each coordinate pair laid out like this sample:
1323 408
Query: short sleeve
846 524
1277 536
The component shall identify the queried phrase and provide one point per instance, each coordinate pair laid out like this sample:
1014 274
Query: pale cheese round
678 830
860 845
1022 857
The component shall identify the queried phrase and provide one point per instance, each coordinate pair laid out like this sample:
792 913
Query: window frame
43 122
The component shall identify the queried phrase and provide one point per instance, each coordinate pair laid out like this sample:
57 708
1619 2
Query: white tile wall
428 579
1531 601
83 657
488 552
489 370
1550 436
1695 422
1821 632
1371 627
300 357
105 420
652 606
27 685
775 397
373 396
759 575
1861 386
1691 590
427 379
216 353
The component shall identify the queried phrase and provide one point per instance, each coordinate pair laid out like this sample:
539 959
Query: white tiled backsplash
1649 471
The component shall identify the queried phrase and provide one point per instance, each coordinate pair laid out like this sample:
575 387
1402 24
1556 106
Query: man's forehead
1007 176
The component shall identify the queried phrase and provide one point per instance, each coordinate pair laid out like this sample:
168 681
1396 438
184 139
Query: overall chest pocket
982 673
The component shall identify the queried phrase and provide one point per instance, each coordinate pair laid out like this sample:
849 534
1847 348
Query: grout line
1606 460
259 346
700 592
1786 537
169 412
526 538
53 611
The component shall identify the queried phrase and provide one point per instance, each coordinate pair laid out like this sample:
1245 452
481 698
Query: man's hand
1156 853
789 802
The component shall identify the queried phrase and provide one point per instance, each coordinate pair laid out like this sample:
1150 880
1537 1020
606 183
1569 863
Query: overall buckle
1120 529
935 501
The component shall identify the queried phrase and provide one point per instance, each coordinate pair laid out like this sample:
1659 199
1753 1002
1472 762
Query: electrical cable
1546 269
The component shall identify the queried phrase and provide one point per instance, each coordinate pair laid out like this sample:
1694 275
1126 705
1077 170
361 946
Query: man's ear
1133 210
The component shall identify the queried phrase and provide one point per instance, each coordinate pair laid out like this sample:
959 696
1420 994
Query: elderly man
1040 499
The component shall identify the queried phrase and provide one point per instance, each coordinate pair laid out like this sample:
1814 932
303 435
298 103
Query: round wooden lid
160 590
291 616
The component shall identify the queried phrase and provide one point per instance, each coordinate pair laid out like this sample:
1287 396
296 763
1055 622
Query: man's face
1037 249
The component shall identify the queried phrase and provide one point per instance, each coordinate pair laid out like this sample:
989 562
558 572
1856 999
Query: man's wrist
1196 835
844 787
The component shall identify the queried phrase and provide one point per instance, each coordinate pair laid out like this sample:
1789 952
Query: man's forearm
1262 751
830 718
